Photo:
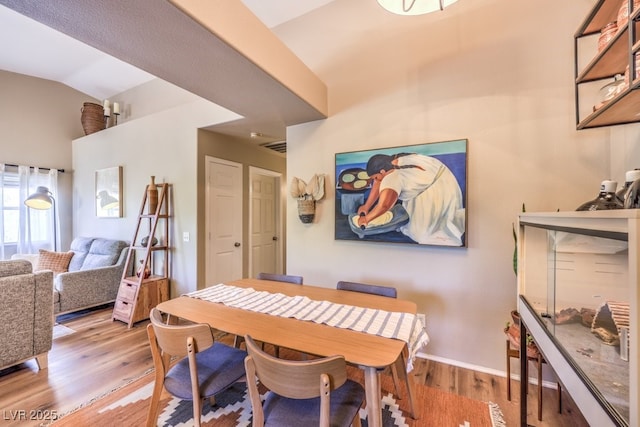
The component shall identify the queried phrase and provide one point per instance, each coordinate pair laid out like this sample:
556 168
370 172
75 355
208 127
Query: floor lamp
43 199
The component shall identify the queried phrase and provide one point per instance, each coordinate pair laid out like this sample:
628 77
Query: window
25 230
11 207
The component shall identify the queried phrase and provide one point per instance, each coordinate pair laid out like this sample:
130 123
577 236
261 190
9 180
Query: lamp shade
414 7
41 199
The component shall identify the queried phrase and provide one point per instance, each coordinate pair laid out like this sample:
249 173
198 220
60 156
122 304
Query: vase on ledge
152 196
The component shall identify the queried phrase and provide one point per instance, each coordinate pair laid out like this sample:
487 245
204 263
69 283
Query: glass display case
578 295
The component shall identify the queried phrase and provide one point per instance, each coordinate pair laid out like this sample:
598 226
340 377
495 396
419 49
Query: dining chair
385 291
204 369
301 393
280 278
399 365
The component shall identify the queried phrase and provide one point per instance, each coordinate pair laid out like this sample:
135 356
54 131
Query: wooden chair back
295 379
385 291
179 340
280 278
172 339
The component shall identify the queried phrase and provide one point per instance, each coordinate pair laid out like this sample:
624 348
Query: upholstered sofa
92 276
26 313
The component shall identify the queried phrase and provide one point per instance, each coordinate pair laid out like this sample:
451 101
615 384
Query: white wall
501 75
149 98
38 120
164 145
625 150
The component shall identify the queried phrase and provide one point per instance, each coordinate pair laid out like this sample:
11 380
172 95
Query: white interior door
223 221
264 228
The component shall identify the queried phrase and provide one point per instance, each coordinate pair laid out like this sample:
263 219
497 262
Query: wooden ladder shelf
139 293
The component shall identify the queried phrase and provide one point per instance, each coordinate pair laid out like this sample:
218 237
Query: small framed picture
109 192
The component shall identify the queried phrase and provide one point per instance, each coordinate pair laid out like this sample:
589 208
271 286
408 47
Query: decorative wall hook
307 196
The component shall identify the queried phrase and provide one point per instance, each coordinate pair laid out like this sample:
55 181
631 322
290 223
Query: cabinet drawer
127 292
123 309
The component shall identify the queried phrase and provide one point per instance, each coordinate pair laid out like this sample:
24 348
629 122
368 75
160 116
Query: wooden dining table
368 351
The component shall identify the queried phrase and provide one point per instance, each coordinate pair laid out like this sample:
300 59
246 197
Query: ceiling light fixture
414 7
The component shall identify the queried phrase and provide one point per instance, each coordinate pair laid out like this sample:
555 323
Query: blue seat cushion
219 367
283 412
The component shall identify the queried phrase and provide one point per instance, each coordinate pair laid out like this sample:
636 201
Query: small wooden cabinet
135 303
139 293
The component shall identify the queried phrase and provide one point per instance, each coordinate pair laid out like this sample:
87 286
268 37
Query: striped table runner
402 326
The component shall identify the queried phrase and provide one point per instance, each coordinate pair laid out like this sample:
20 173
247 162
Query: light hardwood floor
103 355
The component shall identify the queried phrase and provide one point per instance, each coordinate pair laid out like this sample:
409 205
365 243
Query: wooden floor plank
103 355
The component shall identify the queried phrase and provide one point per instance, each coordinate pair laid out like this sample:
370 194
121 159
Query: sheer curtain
37 227
2 203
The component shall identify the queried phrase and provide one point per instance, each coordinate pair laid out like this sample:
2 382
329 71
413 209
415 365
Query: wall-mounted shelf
605 65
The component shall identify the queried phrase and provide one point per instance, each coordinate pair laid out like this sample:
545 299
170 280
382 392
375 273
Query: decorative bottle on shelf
143 271
606 199
152 196
629 178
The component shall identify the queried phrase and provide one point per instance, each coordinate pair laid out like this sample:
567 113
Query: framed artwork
414 194
109 192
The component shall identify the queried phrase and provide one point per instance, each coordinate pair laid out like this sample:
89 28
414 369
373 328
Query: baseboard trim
484 369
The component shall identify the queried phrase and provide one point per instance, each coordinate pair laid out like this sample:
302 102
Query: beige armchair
26 313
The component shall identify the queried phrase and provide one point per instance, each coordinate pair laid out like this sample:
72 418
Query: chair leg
197 411
237 341
42 360
152 413
401 367
396 378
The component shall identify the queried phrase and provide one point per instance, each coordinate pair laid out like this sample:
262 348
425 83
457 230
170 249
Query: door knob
236 244
274 238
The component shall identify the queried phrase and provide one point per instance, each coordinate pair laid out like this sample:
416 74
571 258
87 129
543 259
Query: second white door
264 227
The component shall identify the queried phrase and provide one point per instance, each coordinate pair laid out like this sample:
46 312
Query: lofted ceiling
91 48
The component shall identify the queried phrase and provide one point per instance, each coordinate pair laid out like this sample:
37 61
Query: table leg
401 366
372 390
